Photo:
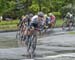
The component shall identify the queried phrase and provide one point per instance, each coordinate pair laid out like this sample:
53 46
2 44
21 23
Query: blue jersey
48 20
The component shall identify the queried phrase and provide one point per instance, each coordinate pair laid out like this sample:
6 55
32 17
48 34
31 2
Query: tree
20 7
6 6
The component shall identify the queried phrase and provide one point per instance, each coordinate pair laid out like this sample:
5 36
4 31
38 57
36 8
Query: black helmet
40 14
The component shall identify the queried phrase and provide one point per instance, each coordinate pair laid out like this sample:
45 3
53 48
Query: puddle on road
60 58
8 43
65 51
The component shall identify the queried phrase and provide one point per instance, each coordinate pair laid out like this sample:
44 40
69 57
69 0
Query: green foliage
45 9
34 8
59 22
6 6
21 7
57 14
12 25
13 22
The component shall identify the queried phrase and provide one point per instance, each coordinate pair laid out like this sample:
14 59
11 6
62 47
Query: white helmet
41 14
68 13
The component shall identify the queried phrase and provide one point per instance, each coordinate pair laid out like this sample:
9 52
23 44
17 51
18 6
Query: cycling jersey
52 18
48 20
35 22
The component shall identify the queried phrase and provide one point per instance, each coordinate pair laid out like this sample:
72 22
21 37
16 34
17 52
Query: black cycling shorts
35 25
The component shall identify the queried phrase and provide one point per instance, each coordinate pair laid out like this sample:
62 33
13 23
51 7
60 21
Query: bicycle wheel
28 43
33 45
18 35
64 26
70 26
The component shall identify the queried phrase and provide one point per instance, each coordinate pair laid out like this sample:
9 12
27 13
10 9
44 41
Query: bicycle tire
33 45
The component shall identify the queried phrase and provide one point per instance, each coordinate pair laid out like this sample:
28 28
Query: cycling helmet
30 15
40 14
68 13
26 16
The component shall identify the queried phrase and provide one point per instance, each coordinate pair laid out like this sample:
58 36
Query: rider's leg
34 42
29 42
23 36
52 24
70 25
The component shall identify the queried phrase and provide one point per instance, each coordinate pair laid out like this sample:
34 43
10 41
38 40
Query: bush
34 8
64 10
57 14
13 22
45 9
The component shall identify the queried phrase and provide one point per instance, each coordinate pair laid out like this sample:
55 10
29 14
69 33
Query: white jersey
69 15
34 19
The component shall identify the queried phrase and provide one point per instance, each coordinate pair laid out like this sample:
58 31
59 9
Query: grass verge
59 23
12 25
71 32
8 44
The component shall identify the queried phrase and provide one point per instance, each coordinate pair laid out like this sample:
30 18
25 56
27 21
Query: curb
8 31
2 31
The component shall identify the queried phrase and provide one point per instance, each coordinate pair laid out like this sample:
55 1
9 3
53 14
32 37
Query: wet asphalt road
56 46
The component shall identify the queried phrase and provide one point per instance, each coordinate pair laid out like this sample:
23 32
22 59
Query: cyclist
30 17
36 22
68 20
47 21
69 17
52 20
26 25
28 20
21 27
20 21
